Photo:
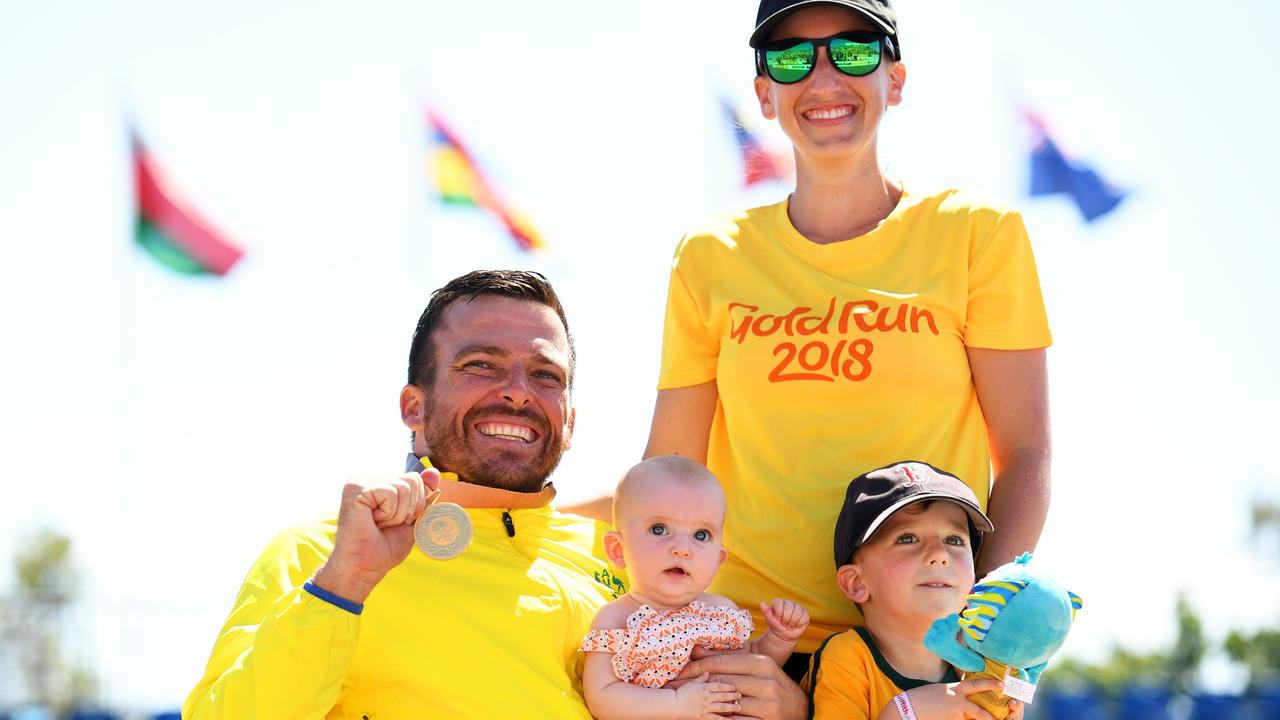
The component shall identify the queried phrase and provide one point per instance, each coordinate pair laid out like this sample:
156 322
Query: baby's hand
786 619
701 699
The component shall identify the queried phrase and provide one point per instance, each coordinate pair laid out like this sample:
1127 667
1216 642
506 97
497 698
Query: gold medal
444 531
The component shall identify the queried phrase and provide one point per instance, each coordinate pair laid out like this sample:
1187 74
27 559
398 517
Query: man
346 619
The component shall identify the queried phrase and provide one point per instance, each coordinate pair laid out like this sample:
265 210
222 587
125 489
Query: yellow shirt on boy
834 359
849 679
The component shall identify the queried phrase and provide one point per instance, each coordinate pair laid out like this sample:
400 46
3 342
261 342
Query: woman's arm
1013 390
681 426
682 421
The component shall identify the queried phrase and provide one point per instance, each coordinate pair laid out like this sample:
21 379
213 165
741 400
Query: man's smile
507 431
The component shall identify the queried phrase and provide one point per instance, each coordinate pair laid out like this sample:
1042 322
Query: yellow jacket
492 633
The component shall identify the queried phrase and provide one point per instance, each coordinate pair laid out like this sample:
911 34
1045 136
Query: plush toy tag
1017 688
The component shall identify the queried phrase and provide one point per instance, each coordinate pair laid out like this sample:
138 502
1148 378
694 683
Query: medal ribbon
470 495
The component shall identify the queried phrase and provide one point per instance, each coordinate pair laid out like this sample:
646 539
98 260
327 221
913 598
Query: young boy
905 542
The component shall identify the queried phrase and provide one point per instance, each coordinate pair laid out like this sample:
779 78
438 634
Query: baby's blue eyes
661 530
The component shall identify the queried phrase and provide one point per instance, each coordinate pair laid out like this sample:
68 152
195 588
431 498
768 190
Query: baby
669 514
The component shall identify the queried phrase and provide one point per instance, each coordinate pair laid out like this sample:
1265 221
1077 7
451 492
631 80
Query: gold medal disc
444 531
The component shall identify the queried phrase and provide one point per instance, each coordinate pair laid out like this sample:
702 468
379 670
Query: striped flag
758 163
170 229
460 181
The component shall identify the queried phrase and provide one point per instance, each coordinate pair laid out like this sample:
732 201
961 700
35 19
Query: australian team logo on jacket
606 578
827 345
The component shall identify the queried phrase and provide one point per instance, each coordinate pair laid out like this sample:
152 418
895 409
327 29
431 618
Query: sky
172 425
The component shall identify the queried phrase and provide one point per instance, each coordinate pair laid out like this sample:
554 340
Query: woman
855 324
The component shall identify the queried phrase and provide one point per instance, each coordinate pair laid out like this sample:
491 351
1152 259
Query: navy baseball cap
772 12
874 496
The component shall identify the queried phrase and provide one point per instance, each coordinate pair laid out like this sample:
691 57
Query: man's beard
448 448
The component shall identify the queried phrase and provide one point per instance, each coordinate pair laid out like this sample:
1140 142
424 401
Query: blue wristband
354 608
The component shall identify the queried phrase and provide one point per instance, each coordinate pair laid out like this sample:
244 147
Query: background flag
460 181
758 163
170 230
1052 173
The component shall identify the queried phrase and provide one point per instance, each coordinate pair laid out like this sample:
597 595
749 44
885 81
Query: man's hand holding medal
375 531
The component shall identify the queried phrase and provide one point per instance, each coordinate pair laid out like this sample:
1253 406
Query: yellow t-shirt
849 679
831 360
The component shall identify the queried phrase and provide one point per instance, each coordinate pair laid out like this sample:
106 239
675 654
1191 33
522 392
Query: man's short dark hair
518 284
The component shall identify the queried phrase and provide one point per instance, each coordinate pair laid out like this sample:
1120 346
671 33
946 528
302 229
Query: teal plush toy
1014 622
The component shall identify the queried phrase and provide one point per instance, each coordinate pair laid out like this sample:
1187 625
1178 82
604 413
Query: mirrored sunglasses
852 53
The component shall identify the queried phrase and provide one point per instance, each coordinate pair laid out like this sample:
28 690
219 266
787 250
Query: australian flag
1052 173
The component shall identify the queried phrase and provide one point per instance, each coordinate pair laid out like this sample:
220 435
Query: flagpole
125 496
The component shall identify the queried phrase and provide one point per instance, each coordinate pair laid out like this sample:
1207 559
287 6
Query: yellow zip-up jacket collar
492 633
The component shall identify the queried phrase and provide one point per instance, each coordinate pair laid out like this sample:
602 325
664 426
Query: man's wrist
352 587
338 601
